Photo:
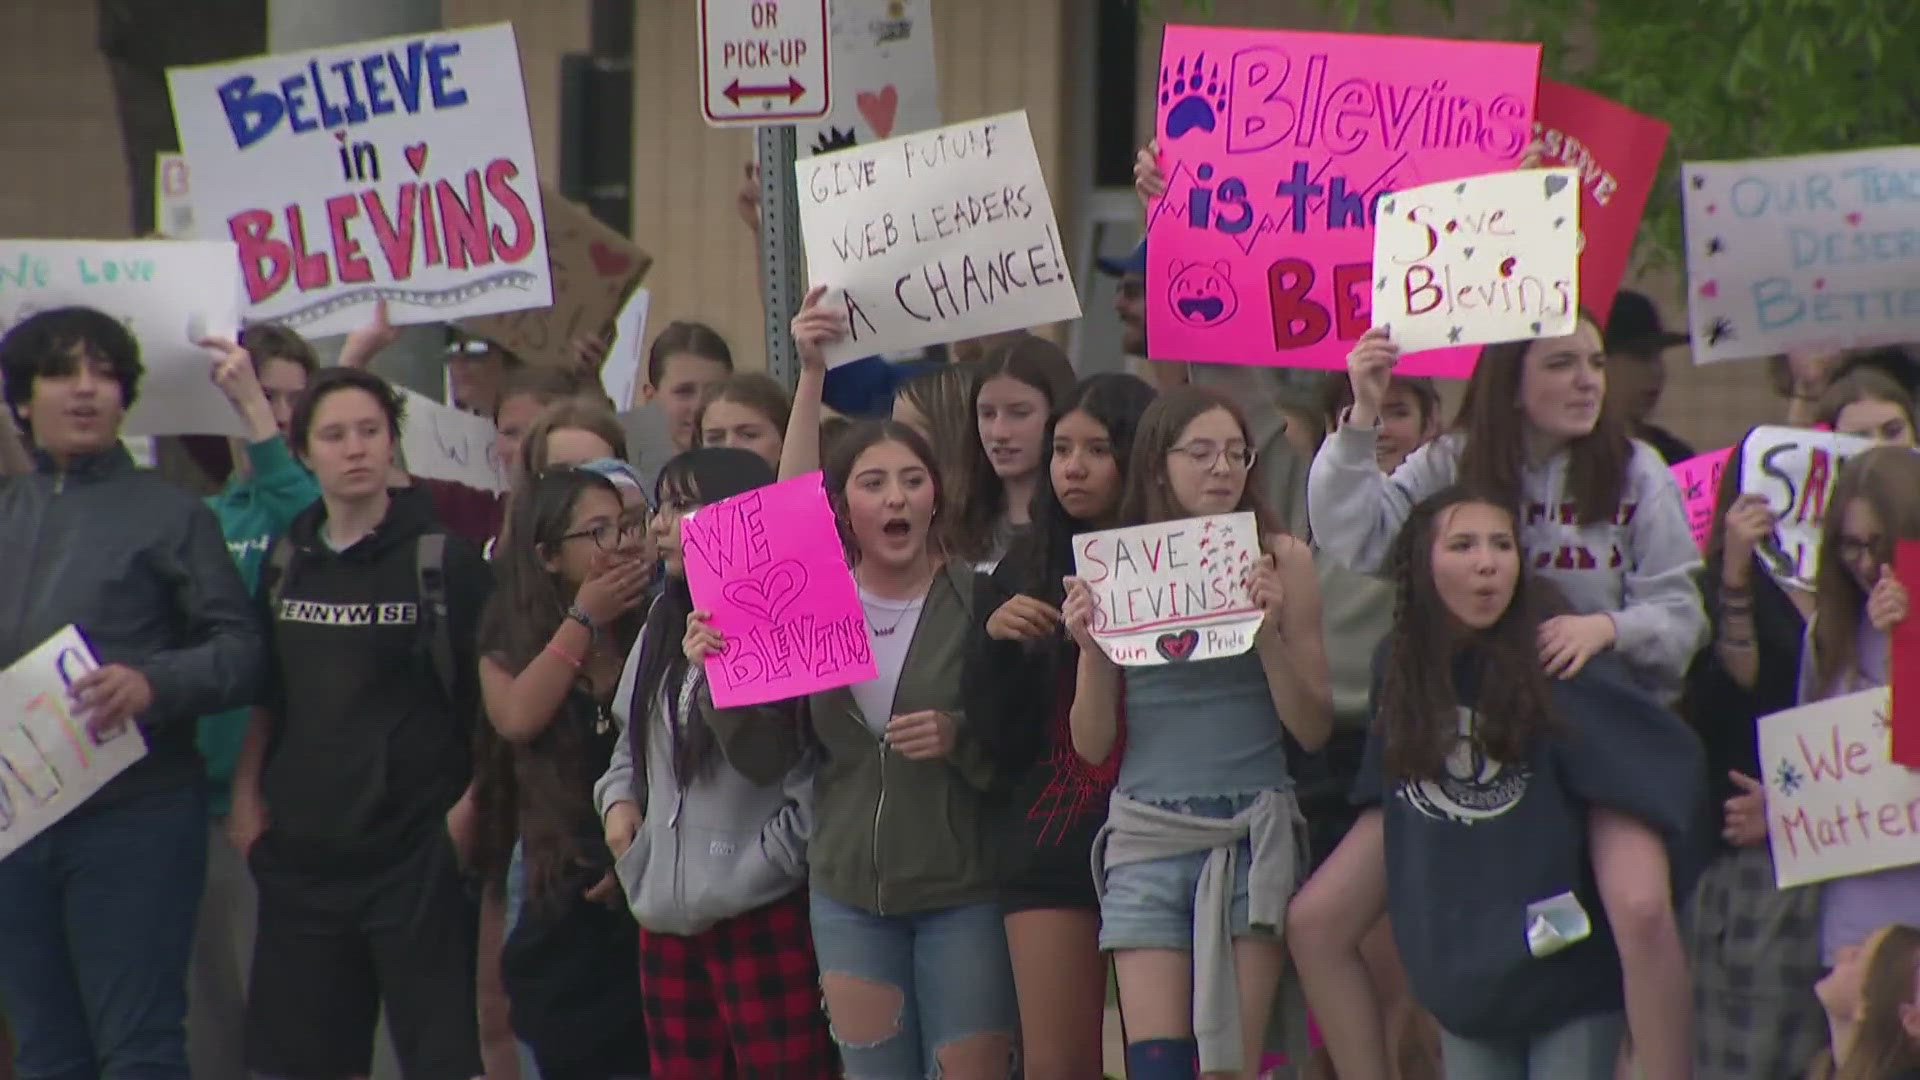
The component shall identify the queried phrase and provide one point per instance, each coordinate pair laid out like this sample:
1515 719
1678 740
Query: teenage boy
97 912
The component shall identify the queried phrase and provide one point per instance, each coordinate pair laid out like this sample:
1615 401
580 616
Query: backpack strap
430 572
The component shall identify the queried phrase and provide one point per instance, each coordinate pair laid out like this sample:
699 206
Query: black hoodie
367 752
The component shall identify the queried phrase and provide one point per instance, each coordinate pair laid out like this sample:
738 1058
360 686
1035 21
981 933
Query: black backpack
429 570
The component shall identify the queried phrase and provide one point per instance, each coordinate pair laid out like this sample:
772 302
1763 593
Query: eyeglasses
608 535
1854 549
1206 455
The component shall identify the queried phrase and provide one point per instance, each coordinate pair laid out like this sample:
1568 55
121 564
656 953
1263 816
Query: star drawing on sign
1788 778
1721 330
1699 181
1715 246
1453 336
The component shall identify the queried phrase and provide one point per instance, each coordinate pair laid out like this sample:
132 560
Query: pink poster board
769 566
1699 480
1276 145
1618 153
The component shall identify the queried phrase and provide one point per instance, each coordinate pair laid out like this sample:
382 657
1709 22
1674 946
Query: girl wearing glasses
572 576
1600 515
707 816
1201 847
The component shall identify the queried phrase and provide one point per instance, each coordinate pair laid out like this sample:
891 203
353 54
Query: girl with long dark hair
1600 515
1200 848
572 576
1526 835
706 813
1015 390
1057 800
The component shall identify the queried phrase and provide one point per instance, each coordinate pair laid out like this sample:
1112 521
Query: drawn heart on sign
879 109
1854 219
417 157
1555 184
609 262
1710 290
1177 647
769 595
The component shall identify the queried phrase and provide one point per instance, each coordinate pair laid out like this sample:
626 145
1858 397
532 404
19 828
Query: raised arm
1661 622
1292 650
815 327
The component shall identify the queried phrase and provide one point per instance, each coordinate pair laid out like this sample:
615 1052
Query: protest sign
1276 146
168 293
398 170
50 762
594 268
1903 660
620 373
770 567
440 442
933 237
1478 261
1172 591
1837 805
1795 469
1813 252
1699 480
172 198
1617 152
883 75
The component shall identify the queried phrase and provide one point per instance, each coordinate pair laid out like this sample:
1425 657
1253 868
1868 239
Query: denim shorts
1149 905
949 964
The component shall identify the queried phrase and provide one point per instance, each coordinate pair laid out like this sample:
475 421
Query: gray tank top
1201 728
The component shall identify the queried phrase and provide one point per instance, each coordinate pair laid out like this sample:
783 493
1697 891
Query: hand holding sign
1370 369
111 697
1749 522
1887 603
701 642
1169 592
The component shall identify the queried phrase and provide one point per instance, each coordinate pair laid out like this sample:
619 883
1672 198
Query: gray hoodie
732 840
1638 568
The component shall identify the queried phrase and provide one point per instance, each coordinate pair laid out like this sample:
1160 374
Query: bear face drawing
1201 294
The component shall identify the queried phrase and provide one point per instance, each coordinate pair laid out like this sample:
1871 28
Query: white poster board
620 374
168 293
1795 468
1173 591
172 197
1837 805
1478 261
933 237
1811 252
884 81
398 170
49 762
440 442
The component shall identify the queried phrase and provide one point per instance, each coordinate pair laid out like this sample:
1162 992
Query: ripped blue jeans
950 966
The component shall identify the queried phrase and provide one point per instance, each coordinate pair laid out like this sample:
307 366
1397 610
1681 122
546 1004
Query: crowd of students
447 756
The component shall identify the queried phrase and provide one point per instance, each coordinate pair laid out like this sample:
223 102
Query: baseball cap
1134 262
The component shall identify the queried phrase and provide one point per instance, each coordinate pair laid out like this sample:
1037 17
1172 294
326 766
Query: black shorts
1323 782
331 951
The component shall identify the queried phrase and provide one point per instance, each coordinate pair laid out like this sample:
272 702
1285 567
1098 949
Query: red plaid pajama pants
740 999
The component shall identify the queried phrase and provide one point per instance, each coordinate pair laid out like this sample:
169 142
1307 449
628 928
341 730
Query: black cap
1134 262
1633 326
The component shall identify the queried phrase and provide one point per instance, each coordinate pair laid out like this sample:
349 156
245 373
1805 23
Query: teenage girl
1600 515
746 410
1057 800
1872 999
1016 388
1867 403
1201 847
1521 834
572 577
707 815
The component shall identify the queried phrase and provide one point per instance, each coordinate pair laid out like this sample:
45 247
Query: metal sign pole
782 271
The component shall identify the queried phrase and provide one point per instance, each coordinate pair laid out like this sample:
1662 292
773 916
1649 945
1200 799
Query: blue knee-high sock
1163 1059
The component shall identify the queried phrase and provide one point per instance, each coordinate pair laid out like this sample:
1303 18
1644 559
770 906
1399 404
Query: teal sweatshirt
253 513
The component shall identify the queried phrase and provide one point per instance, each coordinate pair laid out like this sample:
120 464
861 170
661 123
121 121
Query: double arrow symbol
792 91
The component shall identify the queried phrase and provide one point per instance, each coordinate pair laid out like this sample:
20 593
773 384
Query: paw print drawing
1201 294
1196 93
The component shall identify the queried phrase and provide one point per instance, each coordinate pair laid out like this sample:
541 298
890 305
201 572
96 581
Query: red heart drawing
769 595
1178 646
1854 218
609 262
1710 290
879 109
1819 283
1711 207
417 157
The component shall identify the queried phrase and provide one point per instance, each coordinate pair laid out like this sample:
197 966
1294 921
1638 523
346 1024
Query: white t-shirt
891 624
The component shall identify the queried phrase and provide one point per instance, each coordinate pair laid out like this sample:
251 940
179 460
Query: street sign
764 61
